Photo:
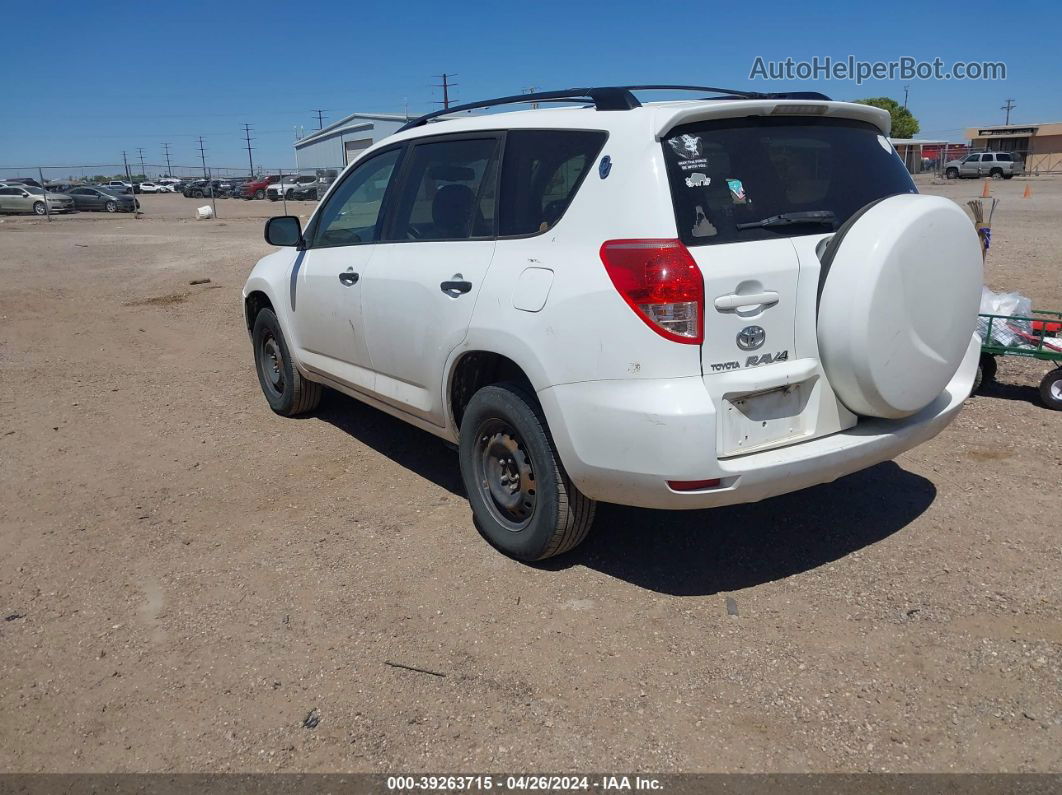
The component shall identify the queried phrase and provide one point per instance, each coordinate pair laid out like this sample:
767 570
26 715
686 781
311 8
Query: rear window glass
1004 158
728 173
541 173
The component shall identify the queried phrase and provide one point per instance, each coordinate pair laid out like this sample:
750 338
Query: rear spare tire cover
899 304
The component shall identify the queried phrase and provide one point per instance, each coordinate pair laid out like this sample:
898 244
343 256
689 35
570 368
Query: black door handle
455 289
348 278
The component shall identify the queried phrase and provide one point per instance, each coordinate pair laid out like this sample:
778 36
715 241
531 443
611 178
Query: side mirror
283 230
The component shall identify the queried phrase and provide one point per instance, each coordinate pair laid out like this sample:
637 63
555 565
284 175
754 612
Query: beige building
1040 145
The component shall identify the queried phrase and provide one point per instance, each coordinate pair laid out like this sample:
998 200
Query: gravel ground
191 583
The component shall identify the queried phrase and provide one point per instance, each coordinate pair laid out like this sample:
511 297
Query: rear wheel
39 208
986 372
996 173
111 206
286 391
522 501
1051 389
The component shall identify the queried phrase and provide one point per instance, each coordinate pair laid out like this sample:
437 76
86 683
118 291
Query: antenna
1008 106
247 137
906 91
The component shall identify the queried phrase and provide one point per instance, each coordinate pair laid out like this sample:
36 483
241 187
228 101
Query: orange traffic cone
985 194
1028 191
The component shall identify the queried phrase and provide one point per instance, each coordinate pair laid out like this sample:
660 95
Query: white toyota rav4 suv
678 304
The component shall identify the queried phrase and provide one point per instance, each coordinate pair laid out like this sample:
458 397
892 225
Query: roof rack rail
607 98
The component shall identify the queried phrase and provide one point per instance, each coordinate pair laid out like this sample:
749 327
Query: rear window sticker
689 150
688 147
702 227
698 180
737 191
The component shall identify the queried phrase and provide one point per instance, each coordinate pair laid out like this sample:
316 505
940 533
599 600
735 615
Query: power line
1008 106
446 85
248 139
320 117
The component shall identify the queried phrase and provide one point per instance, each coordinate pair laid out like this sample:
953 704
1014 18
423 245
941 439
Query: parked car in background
94 197
149 187
23 181
21 198
202 188
167 181
117 186
312 191
286 187
256 188
998 165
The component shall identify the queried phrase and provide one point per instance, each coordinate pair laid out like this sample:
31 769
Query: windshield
728 176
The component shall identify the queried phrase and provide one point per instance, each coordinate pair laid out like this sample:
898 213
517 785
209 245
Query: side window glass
448 191
352 214
541 174
986 158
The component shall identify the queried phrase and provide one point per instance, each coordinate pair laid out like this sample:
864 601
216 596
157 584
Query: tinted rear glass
541 174
737 171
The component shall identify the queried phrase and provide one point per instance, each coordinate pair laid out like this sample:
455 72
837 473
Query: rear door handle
456 287
348 277
736 301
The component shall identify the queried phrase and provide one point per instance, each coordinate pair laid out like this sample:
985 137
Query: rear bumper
622 441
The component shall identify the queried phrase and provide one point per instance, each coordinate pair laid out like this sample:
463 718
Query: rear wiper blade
787 219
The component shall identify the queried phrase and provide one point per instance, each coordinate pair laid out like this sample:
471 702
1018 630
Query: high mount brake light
662 284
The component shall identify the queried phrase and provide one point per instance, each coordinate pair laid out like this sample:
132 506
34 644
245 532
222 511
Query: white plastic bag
1009 304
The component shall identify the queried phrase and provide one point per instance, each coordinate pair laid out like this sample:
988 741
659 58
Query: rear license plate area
765 419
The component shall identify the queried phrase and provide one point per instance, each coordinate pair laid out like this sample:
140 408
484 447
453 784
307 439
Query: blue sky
85 81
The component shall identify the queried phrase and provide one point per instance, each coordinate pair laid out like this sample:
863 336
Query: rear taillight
661 283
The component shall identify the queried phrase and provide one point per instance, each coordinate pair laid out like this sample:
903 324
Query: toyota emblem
751 338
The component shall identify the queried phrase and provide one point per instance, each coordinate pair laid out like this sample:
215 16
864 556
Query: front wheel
39 208
522 501
286 391
952 173
259 194
1051 389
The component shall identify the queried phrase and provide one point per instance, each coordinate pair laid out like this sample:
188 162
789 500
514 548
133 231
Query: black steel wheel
522 501
286 391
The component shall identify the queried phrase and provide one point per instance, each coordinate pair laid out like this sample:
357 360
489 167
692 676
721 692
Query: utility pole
446 85
136 204
202 157
143 168
320 117
247 137
166 153
1008 106
534 105
906 91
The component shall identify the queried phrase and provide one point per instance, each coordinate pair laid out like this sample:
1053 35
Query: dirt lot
186 576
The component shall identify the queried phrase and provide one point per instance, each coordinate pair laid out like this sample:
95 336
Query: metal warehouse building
341 142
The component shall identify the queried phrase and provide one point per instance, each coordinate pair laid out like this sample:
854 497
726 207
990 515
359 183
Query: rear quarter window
736 171
541 173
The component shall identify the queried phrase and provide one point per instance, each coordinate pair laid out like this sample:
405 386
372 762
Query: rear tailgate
728 175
